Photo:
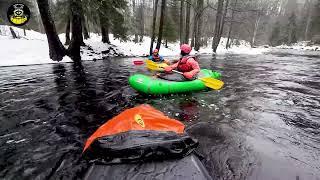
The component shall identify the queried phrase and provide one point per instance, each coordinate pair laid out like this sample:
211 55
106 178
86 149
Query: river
264 124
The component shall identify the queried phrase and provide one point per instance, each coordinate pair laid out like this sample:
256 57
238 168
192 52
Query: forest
160 89
196 22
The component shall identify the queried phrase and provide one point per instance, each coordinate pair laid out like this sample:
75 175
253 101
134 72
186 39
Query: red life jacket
155 58
183 66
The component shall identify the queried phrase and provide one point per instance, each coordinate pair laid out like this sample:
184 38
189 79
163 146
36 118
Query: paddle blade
152 67
212 83
138 62
151 63
155 66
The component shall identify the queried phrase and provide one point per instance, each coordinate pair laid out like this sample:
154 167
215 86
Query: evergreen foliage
291 35
315 22
113 12
171 22
170 32
275 35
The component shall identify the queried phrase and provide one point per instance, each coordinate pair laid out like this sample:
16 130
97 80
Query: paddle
208 81
138 62
155 66
151 64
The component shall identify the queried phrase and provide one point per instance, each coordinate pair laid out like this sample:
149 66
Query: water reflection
190 110
264 124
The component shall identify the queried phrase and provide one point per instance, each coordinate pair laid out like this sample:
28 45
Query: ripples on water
263 125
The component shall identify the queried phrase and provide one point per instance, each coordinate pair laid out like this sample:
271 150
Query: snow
130 48
31 35
24 52
33 48
142 49
302 45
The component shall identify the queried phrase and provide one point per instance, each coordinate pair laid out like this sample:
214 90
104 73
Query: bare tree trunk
181 22
255 30
217 35
231 24
224 17
105 34
56 48
194 29
14 35
104 26
206 30
162 16
197 37
200 29
186 38
68 32
142 21
136 38
77 39
154 19
306 32
85 30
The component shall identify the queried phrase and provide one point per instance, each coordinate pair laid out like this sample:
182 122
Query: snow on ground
302 45
238 47
33 48
142 49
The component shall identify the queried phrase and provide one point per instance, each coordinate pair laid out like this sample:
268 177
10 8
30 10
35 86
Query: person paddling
155 57
187 64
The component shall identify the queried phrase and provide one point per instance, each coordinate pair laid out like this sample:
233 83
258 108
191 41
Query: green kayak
152 85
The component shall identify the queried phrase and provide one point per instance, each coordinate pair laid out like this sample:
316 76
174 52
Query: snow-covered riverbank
302 45
33 48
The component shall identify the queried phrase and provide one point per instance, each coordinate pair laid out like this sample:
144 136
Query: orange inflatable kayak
126 146
143 117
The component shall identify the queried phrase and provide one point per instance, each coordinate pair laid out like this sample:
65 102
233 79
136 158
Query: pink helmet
155 51
185 48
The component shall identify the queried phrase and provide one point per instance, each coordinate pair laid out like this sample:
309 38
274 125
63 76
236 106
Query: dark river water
264 124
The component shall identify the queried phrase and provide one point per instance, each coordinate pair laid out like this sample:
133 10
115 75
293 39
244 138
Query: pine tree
181 29
118 26
154 19
217 29
315 23
292 29
113 12
174 13
162 17
106 15
169 31
275 35
188 12
76 29
68 32
198 24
